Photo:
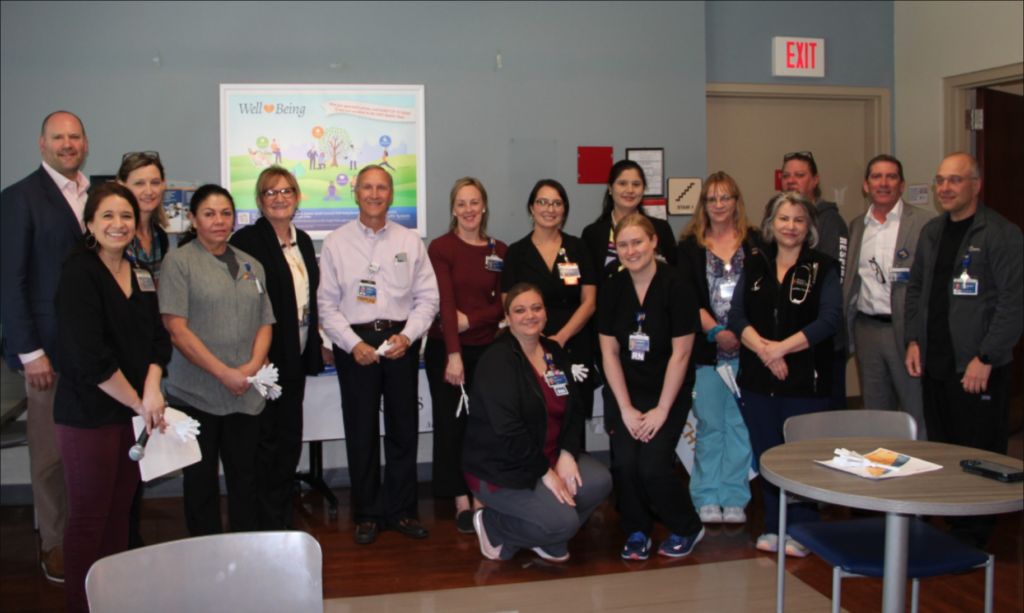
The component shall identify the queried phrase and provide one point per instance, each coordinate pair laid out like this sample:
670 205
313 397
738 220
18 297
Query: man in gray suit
883 244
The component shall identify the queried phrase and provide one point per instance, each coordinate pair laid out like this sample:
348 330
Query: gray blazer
911 222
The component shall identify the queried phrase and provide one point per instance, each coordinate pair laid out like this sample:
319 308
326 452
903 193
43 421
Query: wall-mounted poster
323 135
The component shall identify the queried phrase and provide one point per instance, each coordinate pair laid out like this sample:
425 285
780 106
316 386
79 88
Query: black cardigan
261 242
508 418
693 259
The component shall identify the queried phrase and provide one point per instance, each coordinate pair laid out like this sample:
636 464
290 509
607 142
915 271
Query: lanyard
640 322
565 257
966 261
490 241
549 361
131 257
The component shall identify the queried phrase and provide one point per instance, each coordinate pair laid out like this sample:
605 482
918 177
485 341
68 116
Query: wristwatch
984 359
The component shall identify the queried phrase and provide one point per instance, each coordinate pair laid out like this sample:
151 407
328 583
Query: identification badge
638 356
367 292
965 287
561 390
259 286
145 280
726 290
899 275
555 378
304 320
493 263
639 342
569 272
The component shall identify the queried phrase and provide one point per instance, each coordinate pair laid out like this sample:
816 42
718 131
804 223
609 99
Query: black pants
277 456
361 390
981 421
449 430
644 474
231 439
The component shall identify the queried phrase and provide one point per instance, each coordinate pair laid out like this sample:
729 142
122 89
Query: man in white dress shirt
378 291
883 245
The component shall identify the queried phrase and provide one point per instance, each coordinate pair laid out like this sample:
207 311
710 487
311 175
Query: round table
949 491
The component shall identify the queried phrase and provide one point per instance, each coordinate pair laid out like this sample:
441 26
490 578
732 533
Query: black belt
885 319
380 324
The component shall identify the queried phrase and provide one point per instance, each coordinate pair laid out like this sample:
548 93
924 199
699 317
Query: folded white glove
265 382
463 402
579 372
845 457
187 429
384 347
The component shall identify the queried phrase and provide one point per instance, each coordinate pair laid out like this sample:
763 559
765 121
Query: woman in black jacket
522 456
712 250
292 278
786 309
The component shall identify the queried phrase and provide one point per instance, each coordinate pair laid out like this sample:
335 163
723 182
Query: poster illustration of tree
323 135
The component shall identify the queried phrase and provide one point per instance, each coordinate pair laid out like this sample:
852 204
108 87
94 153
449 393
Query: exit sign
798 57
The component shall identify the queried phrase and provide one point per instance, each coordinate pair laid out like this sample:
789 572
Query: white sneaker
795 549
768 542
711 514
734 515
489 551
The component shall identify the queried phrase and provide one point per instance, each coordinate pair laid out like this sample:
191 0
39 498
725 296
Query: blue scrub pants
722 456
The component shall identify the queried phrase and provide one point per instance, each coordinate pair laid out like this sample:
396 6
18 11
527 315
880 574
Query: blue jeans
721 460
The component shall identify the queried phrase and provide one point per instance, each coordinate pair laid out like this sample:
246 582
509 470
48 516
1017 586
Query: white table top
949 491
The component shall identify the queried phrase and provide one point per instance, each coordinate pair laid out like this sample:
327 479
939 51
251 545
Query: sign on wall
323 135
798 57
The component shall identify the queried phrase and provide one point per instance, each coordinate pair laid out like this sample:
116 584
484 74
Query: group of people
745 325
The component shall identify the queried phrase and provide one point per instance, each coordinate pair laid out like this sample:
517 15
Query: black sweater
508 417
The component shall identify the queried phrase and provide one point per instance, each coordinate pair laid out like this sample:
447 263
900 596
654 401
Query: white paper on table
905 464
729 377
166 452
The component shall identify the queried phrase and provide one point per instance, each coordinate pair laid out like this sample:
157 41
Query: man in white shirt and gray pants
883 245
378 290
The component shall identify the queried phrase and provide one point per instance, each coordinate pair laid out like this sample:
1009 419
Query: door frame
955 135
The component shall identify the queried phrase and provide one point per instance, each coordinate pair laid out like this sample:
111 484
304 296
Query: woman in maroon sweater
468 267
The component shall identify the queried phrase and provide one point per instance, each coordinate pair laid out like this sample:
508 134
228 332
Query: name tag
899 275
965 287
569 273
639 342
145 280
638 356
304 318
367 292
555 378
492 263
726 290
561 390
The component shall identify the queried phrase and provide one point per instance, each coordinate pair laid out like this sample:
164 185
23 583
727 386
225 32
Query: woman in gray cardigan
215 306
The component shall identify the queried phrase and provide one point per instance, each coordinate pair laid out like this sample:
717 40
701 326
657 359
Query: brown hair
700 222
134 161
634 219
268 177
518 290
464 182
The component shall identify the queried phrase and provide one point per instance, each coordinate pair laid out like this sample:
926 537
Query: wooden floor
450 560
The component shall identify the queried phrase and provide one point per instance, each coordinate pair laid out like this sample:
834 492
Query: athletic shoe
636 547
711 514
795 549
768 542
550 558
679 546
490 552
734 515
464 522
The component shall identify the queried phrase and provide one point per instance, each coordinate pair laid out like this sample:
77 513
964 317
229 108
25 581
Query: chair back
249 571
853 423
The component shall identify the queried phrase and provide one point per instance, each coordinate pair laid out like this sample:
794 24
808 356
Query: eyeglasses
146 155
951 179
879 274
725 200
806 156
285 192
544 204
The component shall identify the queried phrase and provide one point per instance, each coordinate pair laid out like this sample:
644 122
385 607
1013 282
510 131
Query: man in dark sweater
964 314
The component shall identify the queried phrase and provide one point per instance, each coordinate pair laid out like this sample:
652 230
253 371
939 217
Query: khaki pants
47 470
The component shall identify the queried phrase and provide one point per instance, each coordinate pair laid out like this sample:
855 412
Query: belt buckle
377 325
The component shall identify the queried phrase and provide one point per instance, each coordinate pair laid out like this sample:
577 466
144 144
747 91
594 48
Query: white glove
579 372
463 402
187 429
265 382
384 347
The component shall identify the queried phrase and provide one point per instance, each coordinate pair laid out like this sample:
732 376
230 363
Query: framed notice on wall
323 135
652 160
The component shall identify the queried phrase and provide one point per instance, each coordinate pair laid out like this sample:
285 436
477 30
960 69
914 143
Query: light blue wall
615 74
859 40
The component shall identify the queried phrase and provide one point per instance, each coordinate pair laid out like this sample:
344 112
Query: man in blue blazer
40 222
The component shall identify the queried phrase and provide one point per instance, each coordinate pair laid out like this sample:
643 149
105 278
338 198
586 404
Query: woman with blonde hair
467 263
711 252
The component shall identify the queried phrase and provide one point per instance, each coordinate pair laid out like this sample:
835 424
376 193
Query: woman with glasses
560 265
468 266
647 321
143 174
292 278
785 311
712 250
214 302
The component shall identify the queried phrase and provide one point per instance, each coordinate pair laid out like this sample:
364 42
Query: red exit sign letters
798 57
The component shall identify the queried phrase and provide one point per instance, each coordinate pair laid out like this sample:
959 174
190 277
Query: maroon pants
101 481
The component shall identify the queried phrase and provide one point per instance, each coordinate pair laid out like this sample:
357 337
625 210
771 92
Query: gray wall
613 74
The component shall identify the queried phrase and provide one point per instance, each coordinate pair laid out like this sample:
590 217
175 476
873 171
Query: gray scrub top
224 313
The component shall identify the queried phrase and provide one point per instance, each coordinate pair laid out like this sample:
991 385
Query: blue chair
856 548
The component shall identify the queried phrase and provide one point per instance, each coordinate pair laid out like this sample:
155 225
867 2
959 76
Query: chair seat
858 547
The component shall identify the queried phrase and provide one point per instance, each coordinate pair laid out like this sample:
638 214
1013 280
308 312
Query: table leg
780 597
894 583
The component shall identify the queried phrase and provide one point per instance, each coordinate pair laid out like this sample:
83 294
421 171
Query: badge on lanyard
555 378
639 343
567 271
899 275
728 286
250 275
142 276
305 317
367 292
964 285
492 262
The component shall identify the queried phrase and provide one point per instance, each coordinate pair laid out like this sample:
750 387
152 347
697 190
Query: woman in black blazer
292 278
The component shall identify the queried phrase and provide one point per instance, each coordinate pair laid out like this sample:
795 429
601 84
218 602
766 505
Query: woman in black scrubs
647 321
560 265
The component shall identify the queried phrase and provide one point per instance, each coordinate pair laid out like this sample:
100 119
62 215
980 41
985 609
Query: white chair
249 571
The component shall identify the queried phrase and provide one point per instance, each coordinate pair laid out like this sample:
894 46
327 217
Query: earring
485 210
94 243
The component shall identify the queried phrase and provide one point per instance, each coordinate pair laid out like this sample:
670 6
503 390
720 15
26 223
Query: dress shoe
366 533
53 564
412 528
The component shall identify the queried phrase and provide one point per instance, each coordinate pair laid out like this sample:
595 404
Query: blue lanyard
490 241
640 321
966 261
550 361
131 258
